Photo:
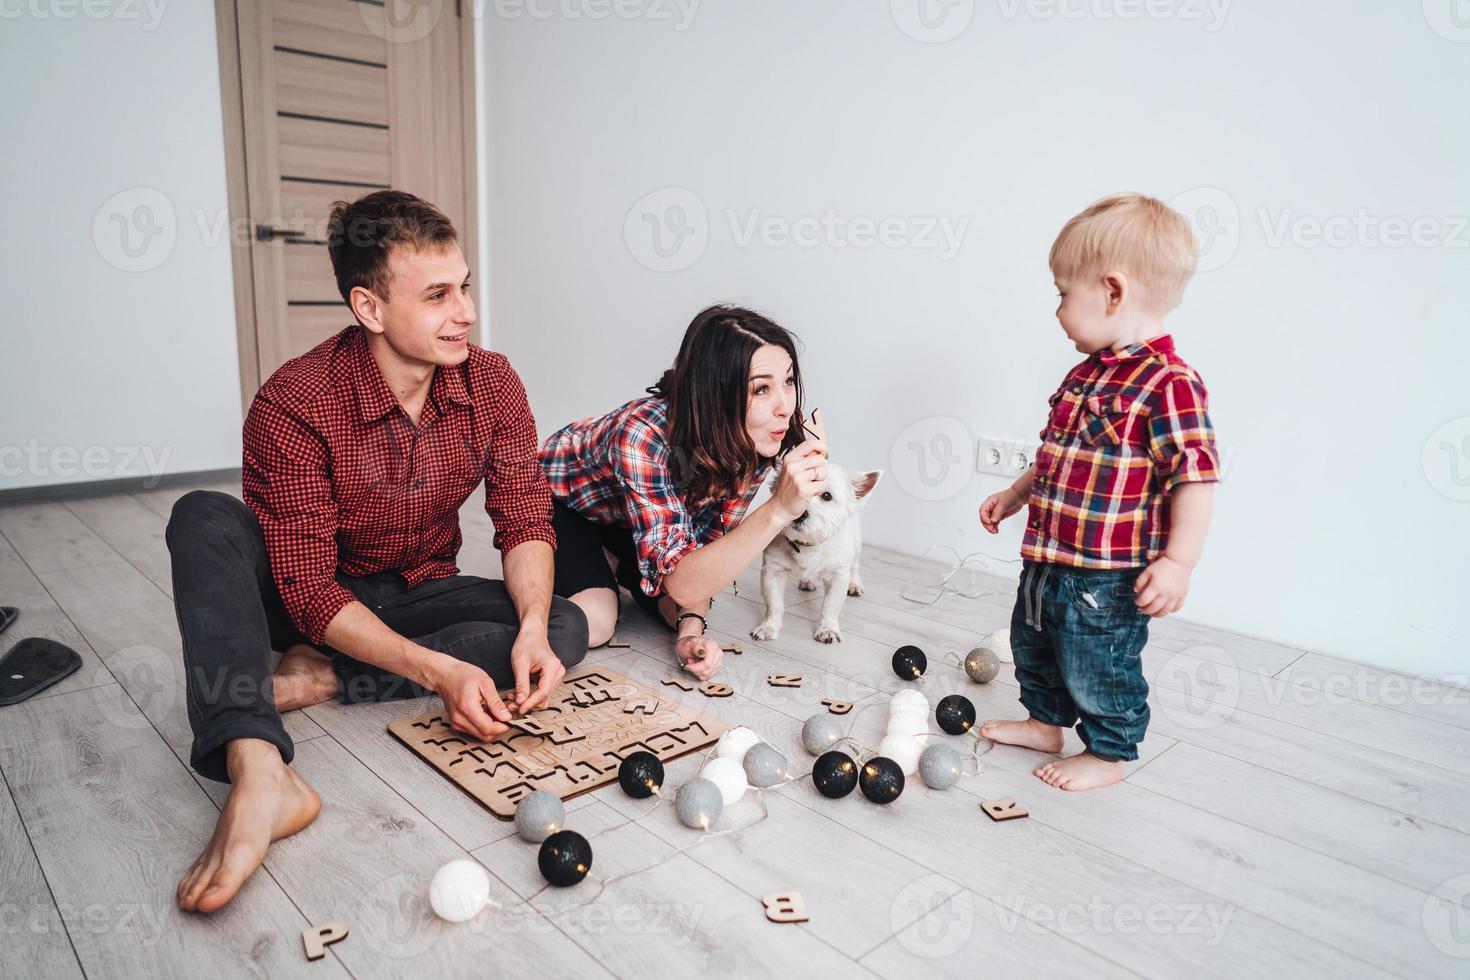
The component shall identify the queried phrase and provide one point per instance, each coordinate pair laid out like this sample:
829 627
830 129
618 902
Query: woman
651 496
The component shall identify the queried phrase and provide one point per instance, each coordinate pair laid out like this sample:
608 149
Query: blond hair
1134 234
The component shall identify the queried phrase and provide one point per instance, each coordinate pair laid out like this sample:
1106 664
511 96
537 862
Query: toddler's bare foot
304 677
1030 734
1081 771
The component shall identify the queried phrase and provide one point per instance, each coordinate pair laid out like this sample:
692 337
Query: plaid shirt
1124 430
615 470
341 479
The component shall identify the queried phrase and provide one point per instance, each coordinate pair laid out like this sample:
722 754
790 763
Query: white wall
1330 366
114 365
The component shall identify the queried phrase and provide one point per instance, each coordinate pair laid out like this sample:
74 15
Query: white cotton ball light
999 643
909 698
735 743
904 750
459 890
729 776
908 722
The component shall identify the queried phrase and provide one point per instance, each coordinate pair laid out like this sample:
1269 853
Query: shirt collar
1162 344
376 399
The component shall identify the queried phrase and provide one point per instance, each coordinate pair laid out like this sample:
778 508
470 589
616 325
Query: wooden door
337 98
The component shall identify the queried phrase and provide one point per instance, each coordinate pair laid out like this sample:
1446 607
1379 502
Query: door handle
265 233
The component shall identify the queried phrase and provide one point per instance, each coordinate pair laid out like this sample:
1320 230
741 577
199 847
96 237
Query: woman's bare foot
1030 734
303 677
1081 771
267 801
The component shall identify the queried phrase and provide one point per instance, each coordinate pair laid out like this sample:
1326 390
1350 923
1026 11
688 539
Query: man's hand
1162 587
699 655
470 699
997 507
532 656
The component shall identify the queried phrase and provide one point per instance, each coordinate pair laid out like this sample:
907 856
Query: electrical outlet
1005 457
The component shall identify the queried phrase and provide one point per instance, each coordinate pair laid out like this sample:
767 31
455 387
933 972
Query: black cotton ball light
835 774
641 774
565 858
909 662
955 714
881 779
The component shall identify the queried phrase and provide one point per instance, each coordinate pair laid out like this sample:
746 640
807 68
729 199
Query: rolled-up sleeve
663 530
1181 438
517 496
286 483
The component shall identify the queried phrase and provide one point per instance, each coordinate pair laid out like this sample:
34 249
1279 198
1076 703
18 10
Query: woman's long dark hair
707 390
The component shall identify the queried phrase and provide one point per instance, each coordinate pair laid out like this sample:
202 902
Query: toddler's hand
997 507
1162 587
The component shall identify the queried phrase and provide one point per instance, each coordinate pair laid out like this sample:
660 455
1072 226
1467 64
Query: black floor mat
33 665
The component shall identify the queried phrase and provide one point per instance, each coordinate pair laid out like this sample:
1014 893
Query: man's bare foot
1030 734
267 801
1081 771
304 677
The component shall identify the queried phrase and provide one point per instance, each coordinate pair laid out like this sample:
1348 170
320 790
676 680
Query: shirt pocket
1104 421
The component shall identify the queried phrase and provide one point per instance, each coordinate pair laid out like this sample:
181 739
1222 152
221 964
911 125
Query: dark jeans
231 617
1078 637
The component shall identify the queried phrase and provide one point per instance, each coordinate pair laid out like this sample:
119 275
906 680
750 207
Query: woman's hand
699 655
803 476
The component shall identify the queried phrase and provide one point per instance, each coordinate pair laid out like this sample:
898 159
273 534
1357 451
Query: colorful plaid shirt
1124 430
615 470
342 480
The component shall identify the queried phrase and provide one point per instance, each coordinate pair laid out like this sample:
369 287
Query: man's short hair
360 236
1134 234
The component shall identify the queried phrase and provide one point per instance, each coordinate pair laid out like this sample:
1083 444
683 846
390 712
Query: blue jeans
1078 639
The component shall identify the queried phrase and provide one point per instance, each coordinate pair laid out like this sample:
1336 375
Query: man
357 457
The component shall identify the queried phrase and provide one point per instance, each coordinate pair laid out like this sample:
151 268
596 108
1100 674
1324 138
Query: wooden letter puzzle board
596 718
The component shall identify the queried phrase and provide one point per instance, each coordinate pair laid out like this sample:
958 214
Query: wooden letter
318 938
784 680
837 707
675 680
715 689
785 907
1004 808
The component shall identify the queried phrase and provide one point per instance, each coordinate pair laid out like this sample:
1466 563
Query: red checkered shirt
615 470
1124 430
342 480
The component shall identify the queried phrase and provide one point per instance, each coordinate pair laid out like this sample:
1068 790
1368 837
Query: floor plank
116 820
37 944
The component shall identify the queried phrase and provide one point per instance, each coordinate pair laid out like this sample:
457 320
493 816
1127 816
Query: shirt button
1036 523
418 483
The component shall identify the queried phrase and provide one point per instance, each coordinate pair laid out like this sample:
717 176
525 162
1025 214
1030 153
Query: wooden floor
1292 815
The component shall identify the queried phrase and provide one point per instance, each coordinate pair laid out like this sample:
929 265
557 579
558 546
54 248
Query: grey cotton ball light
982 665
765 766
940 766
821 733
698 803
539 816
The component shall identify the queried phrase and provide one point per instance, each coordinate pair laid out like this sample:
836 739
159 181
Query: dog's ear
863 483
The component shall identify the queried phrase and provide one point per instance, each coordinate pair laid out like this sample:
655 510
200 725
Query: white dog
822 546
